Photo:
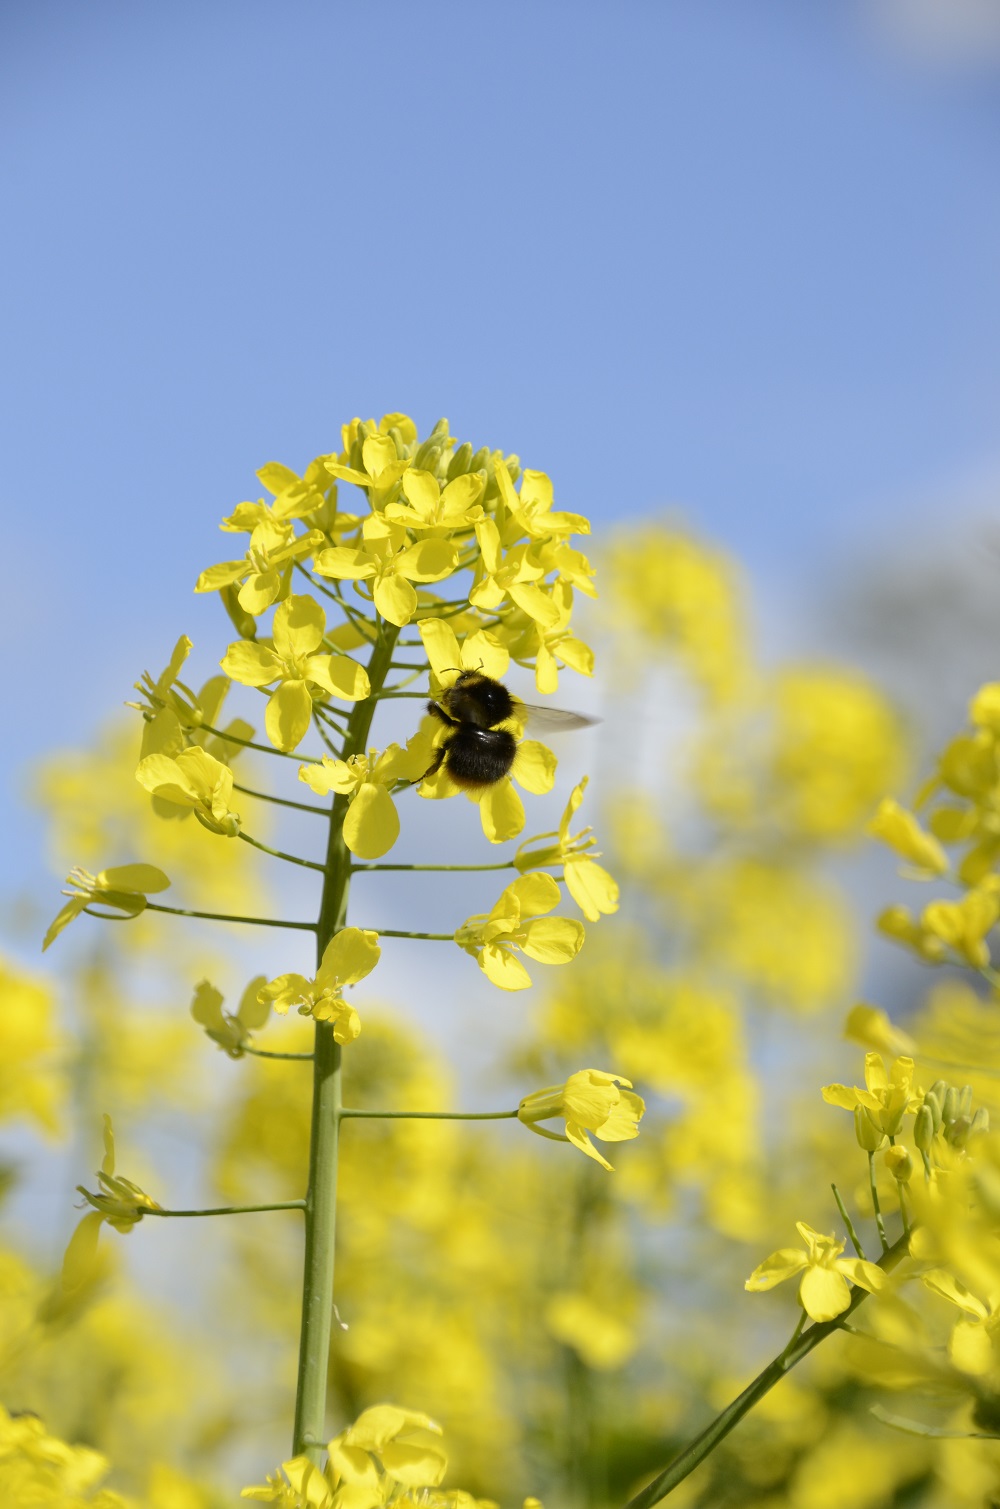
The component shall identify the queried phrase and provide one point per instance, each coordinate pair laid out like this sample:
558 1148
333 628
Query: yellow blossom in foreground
824 1292
371 824
591 887
516 924
293 662
886 1098
901 831
349 956
196 780
231 1033
379 1459
591 1100
122 888
44 1472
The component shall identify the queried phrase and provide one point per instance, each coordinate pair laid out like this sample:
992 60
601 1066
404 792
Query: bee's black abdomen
479 756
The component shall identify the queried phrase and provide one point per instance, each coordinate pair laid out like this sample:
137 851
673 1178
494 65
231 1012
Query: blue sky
740 259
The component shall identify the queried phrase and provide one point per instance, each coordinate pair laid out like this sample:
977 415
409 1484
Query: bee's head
491 699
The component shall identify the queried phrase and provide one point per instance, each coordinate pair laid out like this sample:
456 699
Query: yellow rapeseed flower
592 1100
349 956
517 924
824 1292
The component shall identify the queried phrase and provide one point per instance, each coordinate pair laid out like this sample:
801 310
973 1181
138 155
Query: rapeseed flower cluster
528 1307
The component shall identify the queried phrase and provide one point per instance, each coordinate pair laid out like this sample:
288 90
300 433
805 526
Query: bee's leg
438 759
442 750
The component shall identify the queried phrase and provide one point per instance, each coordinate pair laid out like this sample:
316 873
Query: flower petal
288 715
553 940
340 675
251 664
502 968
784 1263
371 826
824 1293
395 599
501 812
534 767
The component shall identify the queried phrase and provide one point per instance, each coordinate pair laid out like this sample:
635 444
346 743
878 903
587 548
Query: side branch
701 1447
347 1111
229 1210
292 859
177 911
281 801
283 754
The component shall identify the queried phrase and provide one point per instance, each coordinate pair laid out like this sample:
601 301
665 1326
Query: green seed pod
899 1163
923 1127
461 462
870 1137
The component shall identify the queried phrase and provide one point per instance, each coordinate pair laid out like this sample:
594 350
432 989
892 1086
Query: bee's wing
553 720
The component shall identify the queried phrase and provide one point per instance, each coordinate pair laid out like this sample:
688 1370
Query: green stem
177 911
506 864
267 1053
264 748
849 1224
704 1444
389 932
347 1111
281 801
231 1210
321 1198
876 1206
292 859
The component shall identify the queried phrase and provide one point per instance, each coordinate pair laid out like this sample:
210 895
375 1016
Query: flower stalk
321 1194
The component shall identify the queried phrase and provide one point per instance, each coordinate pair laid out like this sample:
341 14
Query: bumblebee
479 751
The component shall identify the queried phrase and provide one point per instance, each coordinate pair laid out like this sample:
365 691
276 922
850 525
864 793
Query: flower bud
869 1136
461 462
480 461
933 1103
957 1131
952 1108
923 1126
899 1163
980 1122
428 455
966 1101
939 1090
